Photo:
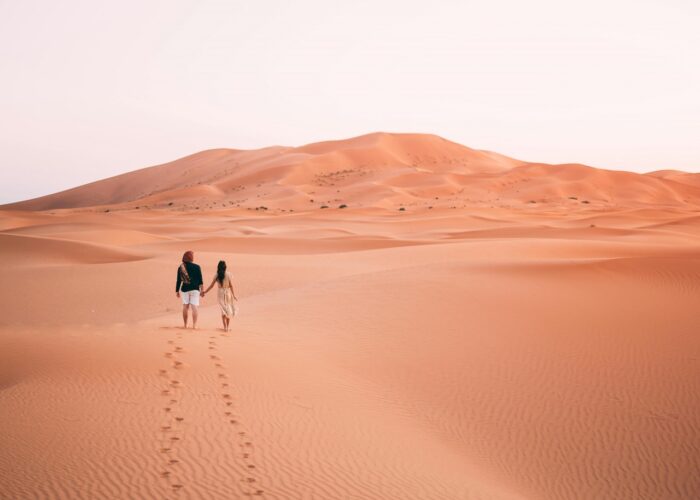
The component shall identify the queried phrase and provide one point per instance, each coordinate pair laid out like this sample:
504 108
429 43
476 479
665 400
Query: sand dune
23 250
391 171
678 176
511 342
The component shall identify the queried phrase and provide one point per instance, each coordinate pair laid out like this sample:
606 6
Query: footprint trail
172 426
171 430
231 416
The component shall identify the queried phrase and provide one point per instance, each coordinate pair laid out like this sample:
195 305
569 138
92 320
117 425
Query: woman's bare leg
184 314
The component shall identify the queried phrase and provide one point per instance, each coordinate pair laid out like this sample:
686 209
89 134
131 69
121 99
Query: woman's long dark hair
221 271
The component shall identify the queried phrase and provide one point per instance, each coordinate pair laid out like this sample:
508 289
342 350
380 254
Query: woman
226 294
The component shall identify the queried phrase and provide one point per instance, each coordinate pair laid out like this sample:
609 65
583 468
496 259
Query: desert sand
467 326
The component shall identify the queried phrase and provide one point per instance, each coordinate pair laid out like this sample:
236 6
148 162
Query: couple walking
189 288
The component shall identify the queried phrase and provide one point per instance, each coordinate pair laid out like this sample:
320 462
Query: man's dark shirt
195 273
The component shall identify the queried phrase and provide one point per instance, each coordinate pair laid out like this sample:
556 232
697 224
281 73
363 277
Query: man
189 286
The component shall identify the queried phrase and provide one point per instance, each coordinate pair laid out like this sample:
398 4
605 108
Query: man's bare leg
184 314
194 316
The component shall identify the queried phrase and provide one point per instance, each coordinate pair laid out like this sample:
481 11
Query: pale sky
90 89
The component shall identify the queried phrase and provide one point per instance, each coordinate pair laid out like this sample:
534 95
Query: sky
93 89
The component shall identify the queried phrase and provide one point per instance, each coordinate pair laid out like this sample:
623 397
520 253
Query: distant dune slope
379 170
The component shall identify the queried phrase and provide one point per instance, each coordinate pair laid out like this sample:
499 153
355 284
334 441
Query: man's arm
201 280
178 282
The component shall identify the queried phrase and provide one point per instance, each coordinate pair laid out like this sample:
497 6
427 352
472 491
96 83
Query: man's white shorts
191 297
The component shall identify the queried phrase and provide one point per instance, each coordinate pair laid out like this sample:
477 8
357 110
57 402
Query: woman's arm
212 284
230 284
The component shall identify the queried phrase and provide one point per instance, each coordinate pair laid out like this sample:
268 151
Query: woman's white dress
226 304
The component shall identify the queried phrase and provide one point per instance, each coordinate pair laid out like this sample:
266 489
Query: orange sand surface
497 339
